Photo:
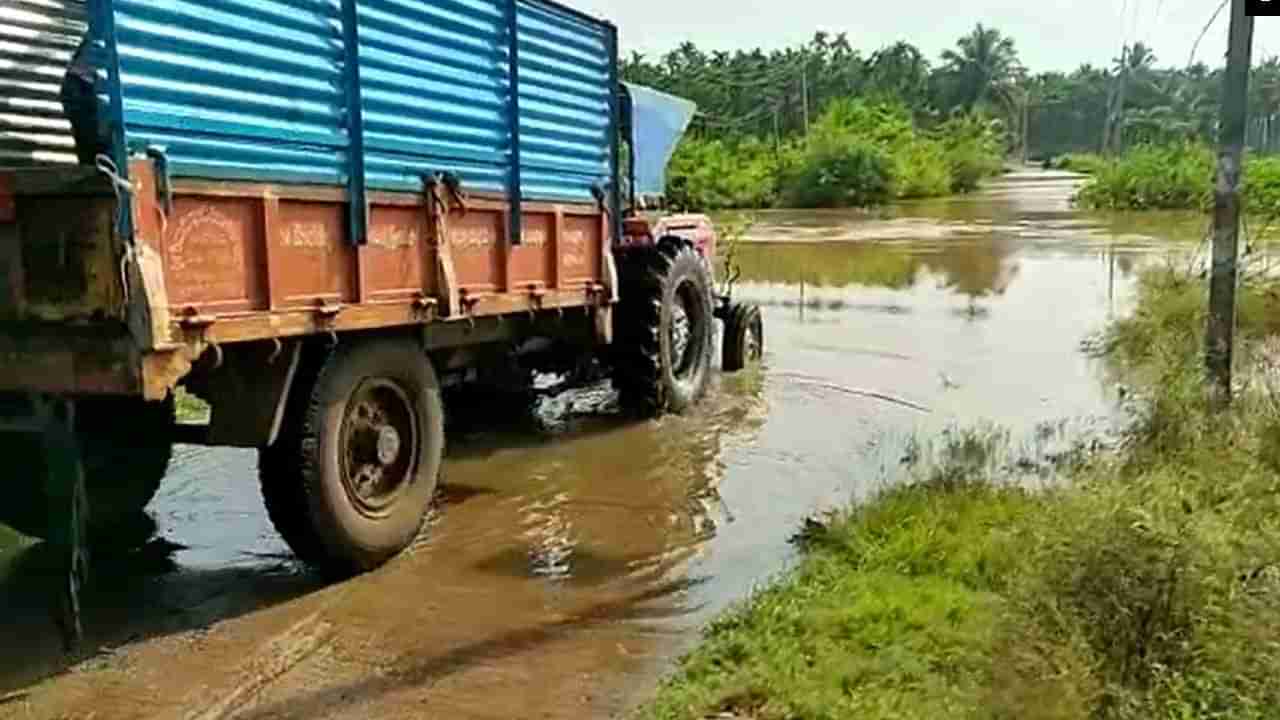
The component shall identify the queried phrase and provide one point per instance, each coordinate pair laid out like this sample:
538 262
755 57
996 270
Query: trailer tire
349 484
664 329
125 449
743 337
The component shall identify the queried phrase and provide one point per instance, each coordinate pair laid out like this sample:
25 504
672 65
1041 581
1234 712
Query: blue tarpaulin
658 121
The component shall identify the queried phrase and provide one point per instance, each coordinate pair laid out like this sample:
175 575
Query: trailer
314 215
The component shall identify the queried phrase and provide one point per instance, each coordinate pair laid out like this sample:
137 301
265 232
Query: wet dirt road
574 558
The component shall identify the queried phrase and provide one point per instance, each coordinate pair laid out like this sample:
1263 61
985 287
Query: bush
1153 177
921 169
866 153
1173 177
708 175
857 154
834 174
1262 186
972 145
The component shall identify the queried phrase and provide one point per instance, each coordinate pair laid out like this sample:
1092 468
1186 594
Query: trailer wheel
743 337
125 447
350 484
663 330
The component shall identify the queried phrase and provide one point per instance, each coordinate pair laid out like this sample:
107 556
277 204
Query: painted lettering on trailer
204 252
308 235
394 237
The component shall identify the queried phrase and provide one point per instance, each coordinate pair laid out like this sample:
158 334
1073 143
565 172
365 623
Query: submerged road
575 555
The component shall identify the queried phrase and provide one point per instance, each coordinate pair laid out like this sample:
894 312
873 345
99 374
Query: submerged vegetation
859 153
1145 585
763 135
1172 177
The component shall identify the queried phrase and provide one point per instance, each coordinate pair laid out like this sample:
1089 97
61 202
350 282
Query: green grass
190 409
1146 585
892 614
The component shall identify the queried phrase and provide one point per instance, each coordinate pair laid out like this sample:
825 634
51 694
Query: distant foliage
754 107
858 153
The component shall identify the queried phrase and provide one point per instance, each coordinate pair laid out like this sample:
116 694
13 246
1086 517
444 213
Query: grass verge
1147 585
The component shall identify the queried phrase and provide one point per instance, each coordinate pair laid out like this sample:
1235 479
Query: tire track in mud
274 659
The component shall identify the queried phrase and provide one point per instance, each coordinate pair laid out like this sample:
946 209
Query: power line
1212 19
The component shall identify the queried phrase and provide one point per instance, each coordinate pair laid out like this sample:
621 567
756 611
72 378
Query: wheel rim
379 445
684 338
680 333
753 344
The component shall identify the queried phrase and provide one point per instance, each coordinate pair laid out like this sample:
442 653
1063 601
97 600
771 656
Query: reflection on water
574 548
973 268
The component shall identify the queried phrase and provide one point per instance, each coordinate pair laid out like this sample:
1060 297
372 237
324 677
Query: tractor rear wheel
663 329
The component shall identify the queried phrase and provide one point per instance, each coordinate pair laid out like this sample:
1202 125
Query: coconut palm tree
984 63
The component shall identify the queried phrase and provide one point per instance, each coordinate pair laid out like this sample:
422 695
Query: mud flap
68 516
67 498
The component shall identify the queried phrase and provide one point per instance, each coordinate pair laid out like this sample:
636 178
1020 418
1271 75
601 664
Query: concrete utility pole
1226 213
1026 126
1113 128
804 93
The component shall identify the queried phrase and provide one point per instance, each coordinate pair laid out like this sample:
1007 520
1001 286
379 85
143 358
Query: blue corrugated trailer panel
259 90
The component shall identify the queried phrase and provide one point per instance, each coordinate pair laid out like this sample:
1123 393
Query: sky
1050 34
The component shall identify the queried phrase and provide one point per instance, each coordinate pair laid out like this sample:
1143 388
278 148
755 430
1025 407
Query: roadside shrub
1085 163
707 175
921 169
835 174
1262 187
973 149
1173 177
858 153
1153 177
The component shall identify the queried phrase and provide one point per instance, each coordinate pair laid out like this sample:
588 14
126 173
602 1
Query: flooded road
573 558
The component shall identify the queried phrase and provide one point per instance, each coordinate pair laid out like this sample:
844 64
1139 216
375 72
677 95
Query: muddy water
573 556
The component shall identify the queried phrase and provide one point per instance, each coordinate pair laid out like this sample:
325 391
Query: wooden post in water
1226 213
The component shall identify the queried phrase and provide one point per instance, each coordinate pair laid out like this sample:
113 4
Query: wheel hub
388 445
752 350
380 430
681 332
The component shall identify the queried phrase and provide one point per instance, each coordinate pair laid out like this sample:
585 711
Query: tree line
778 95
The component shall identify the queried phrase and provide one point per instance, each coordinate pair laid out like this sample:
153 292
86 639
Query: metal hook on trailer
276 352
164 183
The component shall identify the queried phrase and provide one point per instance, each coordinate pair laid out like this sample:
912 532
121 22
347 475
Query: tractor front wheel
663 329
743 337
